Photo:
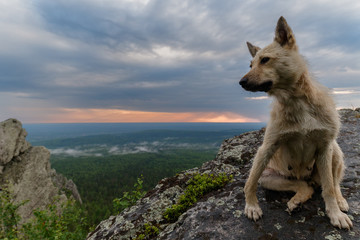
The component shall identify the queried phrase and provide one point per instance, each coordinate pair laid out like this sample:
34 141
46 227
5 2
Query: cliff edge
219 214
26 170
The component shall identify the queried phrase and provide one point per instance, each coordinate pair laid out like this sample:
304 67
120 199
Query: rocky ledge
26 171
219 214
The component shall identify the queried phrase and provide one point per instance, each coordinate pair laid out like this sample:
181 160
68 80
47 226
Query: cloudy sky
161 60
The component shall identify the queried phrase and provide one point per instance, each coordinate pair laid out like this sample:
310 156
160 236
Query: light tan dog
300 139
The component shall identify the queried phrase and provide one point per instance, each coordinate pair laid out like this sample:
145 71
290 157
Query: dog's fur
300 140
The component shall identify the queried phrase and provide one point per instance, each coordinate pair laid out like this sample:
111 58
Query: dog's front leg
324 164
262 158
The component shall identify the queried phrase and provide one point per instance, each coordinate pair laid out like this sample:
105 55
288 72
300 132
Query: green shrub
9 219
50 224
57 221
198 186
149 232
130 198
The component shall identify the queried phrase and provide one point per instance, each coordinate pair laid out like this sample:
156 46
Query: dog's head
275 66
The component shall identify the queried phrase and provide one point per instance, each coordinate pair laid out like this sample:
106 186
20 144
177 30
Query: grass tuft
198 186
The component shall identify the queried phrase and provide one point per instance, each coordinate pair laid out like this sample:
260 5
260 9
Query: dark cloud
167 56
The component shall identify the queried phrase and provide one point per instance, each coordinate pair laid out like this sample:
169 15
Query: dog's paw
253 211
340 220
343 205
300 197
292 205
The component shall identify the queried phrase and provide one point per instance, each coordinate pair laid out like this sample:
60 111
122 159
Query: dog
299 144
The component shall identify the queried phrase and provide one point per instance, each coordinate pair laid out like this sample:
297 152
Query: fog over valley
99 150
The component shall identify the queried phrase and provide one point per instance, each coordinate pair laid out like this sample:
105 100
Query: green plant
129 198
57 222
149 232
9 219
198 186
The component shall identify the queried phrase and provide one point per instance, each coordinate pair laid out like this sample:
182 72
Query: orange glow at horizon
77 115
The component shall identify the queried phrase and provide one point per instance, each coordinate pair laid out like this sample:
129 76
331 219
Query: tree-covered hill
101 179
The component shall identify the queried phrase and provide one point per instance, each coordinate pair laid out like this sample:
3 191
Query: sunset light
68 115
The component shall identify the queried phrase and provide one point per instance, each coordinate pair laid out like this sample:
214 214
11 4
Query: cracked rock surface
26 171
219 214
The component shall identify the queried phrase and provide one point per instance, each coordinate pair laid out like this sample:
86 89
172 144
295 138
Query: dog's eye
264 60
250 66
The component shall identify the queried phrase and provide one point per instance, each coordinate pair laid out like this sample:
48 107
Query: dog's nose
243 81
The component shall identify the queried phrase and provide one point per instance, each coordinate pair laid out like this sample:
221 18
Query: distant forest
100 180
104 166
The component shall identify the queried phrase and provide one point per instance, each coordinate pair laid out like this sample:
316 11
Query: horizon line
96 115
136 122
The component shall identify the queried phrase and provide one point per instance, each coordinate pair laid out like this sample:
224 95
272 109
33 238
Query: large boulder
219 214
12 140
26 171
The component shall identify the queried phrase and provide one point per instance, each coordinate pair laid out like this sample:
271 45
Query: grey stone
27 172
65 184
12 140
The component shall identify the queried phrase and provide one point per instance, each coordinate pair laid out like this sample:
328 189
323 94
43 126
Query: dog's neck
296 99
300 89
306 100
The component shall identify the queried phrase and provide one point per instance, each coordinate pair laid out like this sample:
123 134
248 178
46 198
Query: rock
219 214
26 170
66 185
12 140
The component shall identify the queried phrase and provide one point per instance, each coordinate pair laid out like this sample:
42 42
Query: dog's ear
252 49
284 35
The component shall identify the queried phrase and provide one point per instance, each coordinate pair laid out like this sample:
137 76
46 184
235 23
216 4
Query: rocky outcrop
219 214
26 170
12 141
66 185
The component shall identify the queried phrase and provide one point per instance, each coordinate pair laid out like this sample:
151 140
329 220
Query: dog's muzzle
264 87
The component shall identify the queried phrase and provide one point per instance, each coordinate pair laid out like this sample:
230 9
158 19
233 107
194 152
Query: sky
162 60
